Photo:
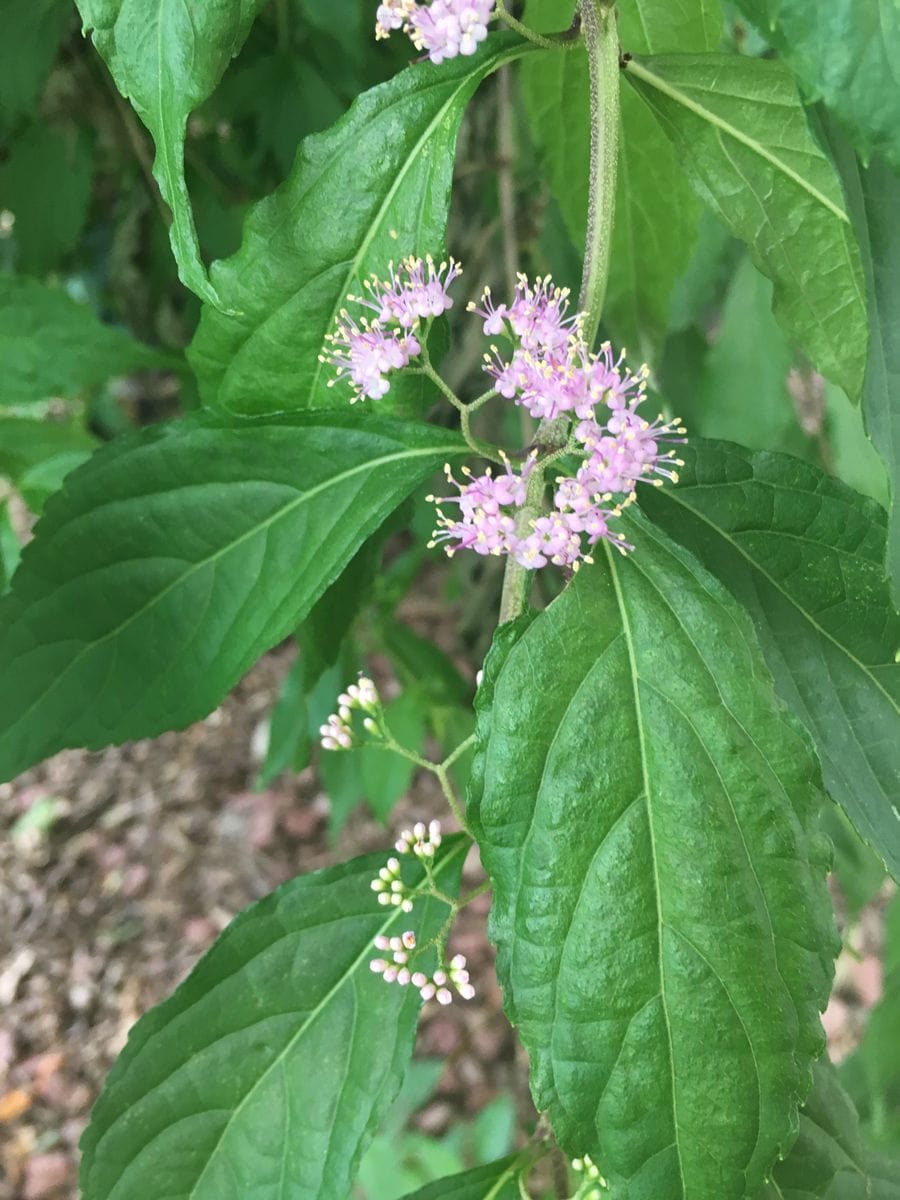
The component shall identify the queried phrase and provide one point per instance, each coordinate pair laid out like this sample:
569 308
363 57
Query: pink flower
415 291
447 28
365 354
488 505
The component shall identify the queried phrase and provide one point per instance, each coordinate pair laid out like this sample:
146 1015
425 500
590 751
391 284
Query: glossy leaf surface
645 808
166 59
269 1068
845 53
370 190
804 554
173 559
741 134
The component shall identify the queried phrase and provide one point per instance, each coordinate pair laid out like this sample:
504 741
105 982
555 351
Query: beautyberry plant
688 712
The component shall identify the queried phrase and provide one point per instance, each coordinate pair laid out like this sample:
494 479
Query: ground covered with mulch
117 871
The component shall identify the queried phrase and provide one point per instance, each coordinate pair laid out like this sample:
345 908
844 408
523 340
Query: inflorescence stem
558 41
598 19
598 23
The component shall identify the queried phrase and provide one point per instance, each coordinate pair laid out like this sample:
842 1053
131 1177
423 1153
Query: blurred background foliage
94 322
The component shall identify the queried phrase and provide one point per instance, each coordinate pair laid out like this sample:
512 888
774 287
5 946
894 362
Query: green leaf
828 1160
496 1181
26 443
845 53
167 59
372 189
656 212
646 812
804 554
271 1065
50 346
741 394
10 550
48 218
741 134
288 726
174 558
34 29
385 774
873 199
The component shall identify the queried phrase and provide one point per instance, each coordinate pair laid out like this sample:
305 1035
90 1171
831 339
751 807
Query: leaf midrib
499 60
674 93
632 666
201 564
278 1061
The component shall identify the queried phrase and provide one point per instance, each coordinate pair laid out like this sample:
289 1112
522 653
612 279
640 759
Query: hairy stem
475 444
601 39
559 41
598 22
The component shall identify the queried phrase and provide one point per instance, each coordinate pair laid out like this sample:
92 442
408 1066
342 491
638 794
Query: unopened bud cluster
439 986
391 889
362 696
420 841
594 1185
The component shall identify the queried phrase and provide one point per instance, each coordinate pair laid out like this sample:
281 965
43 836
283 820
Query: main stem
598 22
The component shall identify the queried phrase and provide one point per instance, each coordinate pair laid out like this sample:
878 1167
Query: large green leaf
496 1181
804 553
373 188
34 29
173 559
828 1161
645 809
844 52
50 346
741 134
873 199
269 1068
49 219
166 58
657 213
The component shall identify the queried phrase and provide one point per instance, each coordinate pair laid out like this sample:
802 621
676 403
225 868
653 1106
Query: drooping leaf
828 1160
845 53
873 200
804 554
48 218
740 132
167 59
10 550
496 1181
272 1064
645 809
288 736
34 29
372 189
657 213
51 346
174 558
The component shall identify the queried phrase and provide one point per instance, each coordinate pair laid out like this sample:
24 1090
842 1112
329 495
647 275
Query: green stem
598 21
516 578
460 750
559 41
475 444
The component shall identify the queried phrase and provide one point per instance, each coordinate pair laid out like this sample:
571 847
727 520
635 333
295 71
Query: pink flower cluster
443 29
552 373
366 351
